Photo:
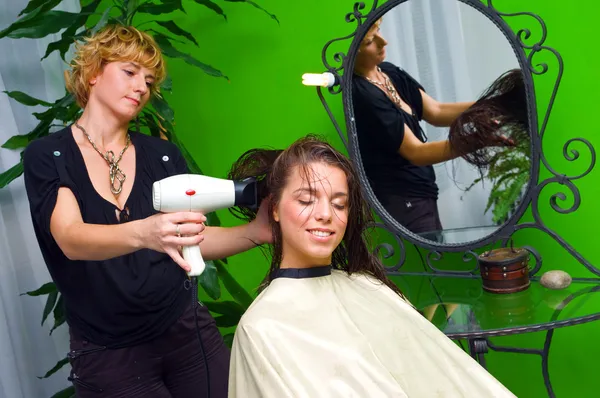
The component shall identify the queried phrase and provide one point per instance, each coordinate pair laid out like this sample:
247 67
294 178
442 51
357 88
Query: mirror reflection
441 118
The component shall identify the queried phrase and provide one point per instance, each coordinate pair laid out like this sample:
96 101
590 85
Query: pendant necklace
116 175
387 86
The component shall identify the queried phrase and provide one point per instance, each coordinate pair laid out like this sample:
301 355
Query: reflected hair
112 43
273 168
500 110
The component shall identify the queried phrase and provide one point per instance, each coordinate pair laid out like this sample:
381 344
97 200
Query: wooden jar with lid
504 270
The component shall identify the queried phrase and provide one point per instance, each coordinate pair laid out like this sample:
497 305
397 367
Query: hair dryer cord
195 303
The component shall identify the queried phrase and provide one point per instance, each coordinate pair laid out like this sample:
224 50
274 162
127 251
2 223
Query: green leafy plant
508 173
40 19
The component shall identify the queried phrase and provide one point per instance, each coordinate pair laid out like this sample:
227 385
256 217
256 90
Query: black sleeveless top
380 130
126 300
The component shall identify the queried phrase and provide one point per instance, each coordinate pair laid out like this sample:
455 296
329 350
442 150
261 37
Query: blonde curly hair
113 43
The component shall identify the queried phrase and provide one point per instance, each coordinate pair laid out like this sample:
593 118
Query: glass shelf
459 235
462 309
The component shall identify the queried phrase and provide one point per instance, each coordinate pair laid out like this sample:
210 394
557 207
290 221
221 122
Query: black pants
171 366
418 215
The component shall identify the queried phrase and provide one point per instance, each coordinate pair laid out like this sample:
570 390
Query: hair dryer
198 193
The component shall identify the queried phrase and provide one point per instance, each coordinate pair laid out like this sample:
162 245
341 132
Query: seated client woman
328 322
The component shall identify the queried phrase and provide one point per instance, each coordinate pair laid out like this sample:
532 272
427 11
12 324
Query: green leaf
11 174
228 339
56 368
130 6
233 287
64 109
59 314
67 38
70 35
509 197
226 321
18 141
21 141
50 303
68 392
225 307
166 7
172 52
26 99
20 22
102 21
42 25
162 117
152 125
162 108
45 5
62 46
46 288
176 30
255 5
212 219
212 6
57 323
167 84
209 281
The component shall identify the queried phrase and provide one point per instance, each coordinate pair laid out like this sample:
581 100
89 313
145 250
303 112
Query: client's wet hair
273 168
500 110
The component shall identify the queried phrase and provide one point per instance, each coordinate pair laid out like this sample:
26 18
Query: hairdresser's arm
424 153
222 242
82 241
429 153
442 114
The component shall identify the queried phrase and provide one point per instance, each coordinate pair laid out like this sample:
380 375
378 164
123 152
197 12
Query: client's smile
321 232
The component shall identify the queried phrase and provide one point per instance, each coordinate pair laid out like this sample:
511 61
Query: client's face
312 213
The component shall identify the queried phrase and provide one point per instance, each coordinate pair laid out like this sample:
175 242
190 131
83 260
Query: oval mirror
439 121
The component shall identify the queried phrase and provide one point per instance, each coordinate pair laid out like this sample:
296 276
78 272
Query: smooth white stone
555 279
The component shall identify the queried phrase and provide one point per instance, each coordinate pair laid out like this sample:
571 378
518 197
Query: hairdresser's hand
502 140
260 228
505 141
167 233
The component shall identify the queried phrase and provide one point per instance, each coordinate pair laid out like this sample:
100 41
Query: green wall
265 104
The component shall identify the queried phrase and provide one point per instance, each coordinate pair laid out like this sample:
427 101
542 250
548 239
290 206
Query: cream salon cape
318 332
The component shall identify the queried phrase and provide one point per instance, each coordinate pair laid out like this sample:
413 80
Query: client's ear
275 215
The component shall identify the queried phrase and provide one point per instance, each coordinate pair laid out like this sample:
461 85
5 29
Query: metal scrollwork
356 16
526 48
468 256
387 250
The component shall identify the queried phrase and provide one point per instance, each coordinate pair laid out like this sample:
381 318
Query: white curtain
455 52
26 348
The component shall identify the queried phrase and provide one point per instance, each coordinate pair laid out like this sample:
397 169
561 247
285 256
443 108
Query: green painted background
265 104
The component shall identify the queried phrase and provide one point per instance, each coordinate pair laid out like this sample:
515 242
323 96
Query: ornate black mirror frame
342 65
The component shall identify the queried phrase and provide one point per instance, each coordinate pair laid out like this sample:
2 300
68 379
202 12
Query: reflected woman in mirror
389 105
328 322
